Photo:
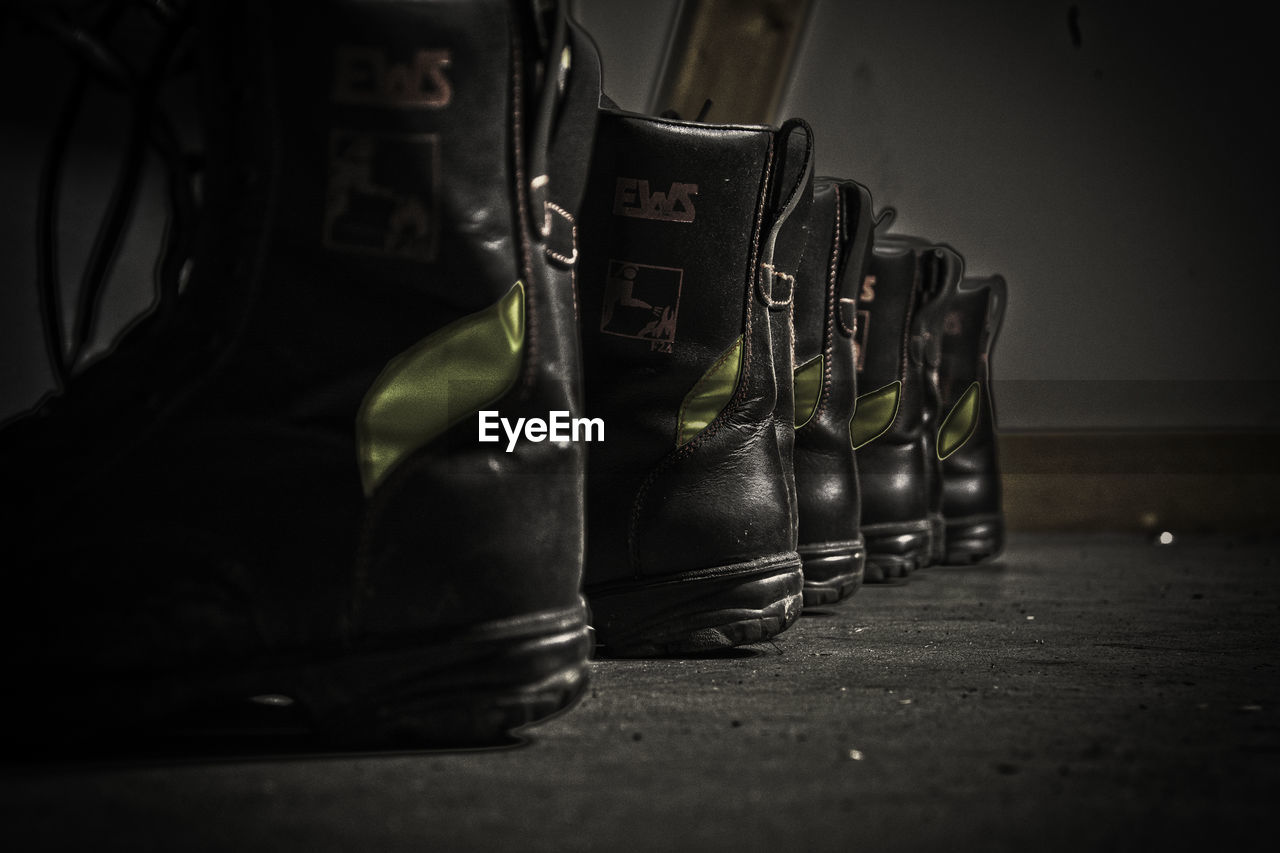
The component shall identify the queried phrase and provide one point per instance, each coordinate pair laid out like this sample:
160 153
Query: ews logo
365 76
868 293
634 198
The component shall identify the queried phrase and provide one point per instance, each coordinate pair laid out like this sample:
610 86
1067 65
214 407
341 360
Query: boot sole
698 612
470 690
896 549
832 571
974 539
488 691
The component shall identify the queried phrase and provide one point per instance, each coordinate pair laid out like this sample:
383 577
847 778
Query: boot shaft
967 434
684 227
897 407
888 385
826 375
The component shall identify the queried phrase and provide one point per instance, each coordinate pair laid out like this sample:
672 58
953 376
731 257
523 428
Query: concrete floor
1084 693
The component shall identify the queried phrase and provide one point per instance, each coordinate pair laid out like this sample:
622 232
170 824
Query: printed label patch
381 194
634 198
370 76
642 301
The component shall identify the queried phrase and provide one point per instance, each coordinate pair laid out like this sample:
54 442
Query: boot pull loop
554 79
997 296
848 317
803 179
773 286
884 220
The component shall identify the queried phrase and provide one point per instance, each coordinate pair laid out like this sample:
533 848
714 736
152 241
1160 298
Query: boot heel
470 693
698 611
833 571
895 550
972 540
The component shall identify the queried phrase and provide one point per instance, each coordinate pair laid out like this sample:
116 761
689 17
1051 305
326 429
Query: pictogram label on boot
642 301
381 194
634 198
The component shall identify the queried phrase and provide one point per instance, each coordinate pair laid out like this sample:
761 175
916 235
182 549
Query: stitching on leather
571 262
567 260
767 298
906 327
833 308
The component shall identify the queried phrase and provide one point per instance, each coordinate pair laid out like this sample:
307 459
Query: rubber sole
895 549
698 612
833 571
471 689
974 539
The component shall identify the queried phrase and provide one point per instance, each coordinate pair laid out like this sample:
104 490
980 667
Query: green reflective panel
960 422
808 388
874 414
710 395
440 380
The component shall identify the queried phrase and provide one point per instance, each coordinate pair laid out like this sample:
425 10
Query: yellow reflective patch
960 423
442 379
710 395
874 413
808 388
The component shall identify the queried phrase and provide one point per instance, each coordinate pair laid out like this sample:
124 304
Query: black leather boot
972 504
275 485
691 540
941 269
894 464
840 241
794 168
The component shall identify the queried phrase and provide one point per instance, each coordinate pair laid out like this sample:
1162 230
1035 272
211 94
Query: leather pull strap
575 97
792 180
554 80
800 176
884 220
774 287
847 316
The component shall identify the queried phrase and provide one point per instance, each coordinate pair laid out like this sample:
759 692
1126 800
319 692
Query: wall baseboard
1202 482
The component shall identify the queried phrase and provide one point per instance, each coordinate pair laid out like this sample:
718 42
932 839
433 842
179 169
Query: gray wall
1122 181
1121 178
